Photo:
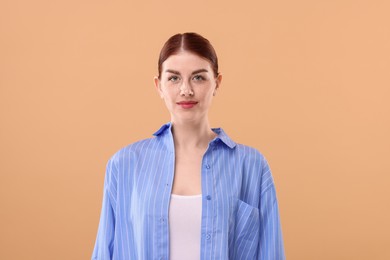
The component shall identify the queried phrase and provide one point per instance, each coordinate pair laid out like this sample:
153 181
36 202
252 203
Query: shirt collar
163 128
221 135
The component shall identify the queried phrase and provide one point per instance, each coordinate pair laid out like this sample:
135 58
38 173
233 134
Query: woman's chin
186 118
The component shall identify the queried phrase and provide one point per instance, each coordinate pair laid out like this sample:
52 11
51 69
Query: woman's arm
271 245
104 245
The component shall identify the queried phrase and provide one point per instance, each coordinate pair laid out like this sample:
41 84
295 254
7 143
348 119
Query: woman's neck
191 135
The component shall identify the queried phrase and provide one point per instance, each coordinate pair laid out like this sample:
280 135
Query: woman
190 192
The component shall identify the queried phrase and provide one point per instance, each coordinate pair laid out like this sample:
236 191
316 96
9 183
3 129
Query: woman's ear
158 86
217 83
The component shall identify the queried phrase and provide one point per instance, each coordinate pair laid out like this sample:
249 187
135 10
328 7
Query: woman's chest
187 174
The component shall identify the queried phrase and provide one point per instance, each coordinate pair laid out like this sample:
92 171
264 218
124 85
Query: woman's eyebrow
199 71
178 73
173 71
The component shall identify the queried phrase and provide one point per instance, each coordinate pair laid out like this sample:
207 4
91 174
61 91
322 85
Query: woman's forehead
186 61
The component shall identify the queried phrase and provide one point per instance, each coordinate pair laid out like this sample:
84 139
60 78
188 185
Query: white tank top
185 214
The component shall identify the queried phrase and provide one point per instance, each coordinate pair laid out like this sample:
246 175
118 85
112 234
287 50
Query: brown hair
191 42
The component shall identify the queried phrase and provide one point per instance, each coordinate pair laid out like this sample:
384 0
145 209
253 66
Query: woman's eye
198 78
173 78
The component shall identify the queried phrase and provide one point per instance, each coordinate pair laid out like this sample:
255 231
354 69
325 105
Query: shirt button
208 197
208 236
207 166
162 220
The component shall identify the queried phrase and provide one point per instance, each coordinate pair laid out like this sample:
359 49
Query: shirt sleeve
104 245
271 245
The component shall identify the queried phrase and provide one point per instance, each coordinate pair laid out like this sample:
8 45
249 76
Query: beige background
306 82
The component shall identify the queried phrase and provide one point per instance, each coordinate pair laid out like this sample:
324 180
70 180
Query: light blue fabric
240 218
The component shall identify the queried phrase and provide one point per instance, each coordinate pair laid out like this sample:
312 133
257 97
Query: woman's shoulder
239 149
249 152
140 147
159 142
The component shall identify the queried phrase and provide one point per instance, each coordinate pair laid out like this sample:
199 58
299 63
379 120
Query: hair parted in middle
191 42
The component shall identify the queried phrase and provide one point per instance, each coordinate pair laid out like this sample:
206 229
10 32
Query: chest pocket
245 238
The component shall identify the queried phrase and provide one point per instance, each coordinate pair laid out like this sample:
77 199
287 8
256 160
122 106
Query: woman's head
191 42
188 76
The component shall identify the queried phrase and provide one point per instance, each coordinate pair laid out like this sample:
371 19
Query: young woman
190 192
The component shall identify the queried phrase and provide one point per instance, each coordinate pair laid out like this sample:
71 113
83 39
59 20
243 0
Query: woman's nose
186 90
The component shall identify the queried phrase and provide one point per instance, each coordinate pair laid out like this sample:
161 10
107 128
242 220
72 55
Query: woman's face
187 84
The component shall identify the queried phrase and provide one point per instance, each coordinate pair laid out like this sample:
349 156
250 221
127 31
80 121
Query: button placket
208 191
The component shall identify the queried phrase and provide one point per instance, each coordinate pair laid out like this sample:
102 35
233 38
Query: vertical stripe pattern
240 217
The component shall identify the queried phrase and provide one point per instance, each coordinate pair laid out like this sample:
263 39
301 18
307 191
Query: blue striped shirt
240 218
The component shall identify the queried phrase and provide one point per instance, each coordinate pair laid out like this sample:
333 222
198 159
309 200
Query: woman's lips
187 104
